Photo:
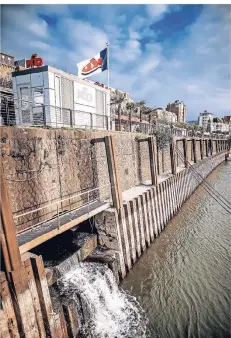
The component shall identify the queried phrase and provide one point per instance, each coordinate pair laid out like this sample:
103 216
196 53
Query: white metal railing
24 112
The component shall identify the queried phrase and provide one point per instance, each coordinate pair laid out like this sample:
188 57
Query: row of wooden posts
221 145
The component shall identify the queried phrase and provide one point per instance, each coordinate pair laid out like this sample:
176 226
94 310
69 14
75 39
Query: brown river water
183 281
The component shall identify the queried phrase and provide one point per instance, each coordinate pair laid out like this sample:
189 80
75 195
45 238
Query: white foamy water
107 311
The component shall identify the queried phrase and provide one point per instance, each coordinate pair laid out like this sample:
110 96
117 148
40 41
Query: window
57 91
38 96
24 96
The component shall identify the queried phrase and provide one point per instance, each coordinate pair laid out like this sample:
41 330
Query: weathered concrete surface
44 166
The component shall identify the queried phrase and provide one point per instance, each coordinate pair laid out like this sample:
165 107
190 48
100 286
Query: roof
7 55
30 71
206 113
59 72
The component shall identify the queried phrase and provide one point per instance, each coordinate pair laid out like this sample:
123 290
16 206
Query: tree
144 109
130 106
163 136
116 102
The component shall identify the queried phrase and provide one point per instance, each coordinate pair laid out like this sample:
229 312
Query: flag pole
108 76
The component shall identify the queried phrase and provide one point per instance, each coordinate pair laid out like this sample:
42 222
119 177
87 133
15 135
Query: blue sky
158 53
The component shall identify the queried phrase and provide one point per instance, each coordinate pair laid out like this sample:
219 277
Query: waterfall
107 311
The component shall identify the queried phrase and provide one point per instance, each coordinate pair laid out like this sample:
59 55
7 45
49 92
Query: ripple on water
184 280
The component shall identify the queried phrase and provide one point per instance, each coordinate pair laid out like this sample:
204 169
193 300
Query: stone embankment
104 196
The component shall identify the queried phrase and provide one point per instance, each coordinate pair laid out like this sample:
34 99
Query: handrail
63 200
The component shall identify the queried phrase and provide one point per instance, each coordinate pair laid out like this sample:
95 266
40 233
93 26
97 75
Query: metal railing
59 208
23 112
31 113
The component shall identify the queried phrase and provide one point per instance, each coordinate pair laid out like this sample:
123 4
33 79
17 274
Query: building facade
206 120
220 127
6 68
48 96
180 109
164 115
214 124
7 113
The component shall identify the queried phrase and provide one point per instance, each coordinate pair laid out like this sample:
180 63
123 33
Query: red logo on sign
34 61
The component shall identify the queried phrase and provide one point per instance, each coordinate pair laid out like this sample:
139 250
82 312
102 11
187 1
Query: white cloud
197 70
84 37
156 12
38 28
24 19
40 45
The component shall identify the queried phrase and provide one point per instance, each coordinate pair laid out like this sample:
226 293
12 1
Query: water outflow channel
183 281
105 310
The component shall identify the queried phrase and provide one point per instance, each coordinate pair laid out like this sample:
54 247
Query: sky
158 53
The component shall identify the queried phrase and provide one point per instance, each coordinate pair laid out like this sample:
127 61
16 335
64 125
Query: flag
93 66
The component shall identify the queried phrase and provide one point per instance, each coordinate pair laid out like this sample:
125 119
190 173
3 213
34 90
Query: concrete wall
179 145
167 159
164 160
43 166
198 149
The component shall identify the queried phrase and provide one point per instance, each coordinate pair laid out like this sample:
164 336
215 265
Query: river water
183 281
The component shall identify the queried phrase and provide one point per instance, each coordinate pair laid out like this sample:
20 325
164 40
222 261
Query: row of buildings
46 95
173 113
212 124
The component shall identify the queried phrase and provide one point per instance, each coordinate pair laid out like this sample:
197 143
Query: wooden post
130 120
119 116
173 155
35 297
202 148
24 303
72 319
194 150
206 148
185 148
153 160
44 295
11 251
8 322
211 146
113 172
5 252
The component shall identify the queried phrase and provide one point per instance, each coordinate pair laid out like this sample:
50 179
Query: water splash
107 311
